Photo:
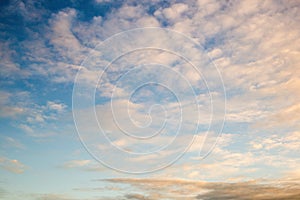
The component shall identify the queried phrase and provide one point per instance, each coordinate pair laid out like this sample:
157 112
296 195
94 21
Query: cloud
286 117
76 163
13 166
7 108
284 142
250 191
245 108
233 52
173 13
161 142
30 116
9 67
59 107
64 41
102 1
55 196
37 117
26 128
178 189
51 197
254 45
86 165
29 11
228 161
136 197
154 189
9 142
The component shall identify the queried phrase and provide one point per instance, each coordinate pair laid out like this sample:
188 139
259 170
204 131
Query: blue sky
93 89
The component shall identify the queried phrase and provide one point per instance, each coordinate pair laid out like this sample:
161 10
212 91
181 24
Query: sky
194 99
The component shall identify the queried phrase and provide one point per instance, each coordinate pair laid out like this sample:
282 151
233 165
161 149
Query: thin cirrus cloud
9 142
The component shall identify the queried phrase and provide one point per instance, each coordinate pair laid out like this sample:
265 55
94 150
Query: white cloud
288 142
59 107
31 117
9 67
253 43
9 105
102 1
62 37
174 12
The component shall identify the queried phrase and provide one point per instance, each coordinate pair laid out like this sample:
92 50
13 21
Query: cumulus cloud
62 37
173 13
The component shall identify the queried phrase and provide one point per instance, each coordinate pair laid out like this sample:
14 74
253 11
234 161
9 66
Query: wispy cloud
86 165
9 142
13 166
76 163
51 197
